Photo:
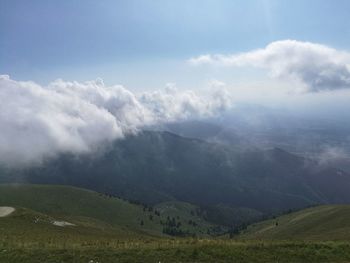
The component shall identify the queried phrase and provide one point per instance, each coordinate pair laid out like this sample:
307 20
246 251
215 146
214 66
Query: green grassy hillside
76 204
103 233
330 222
81 206
26 228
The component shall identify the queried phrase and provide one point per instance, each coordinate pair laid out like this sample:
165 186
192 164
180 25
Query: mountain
194 129
155 167
253 126
330 222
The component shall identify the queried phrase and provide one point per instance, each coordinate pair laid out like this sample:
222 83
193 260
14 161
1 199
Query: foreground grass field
186 250
29 236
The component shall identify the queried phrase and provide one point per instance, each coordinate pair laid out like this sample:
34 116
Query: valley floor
181 250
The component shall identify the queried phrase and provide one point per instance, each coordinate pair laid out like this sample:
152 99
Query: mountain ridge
154 167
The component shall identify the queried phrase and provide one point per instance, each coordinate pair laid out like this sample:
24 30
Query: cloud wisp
37 122
317 67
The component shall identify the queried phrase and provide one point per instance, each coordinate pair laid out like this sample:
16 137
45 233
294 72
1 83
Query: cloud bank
317 67
38 122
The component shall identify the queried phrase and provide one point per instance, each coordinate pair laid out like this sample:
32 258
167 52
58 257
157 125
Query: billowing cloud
316 66
37 122
171 104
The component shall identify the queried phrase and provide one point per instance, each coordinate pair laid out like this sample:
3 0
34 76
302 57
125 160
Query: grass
30 229
187 250
77 203
329 222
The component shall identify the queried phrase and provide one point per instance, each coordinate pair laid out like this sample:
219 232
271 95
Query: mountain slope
330 222
33 228
83 207
156 167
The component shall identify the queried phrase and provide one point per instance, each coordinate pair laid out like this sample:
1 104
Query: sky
145 44
75 75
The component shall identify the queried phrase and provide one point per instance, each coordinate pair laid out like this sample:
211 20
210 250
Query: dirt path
62 223
6 210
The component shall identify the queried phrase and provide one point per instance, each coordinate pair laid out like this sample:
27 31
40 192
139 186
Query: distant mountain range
153 167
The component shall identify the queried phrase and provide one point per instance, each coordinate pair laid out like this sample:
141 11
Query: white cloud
171 104
38 122
316 66
203 59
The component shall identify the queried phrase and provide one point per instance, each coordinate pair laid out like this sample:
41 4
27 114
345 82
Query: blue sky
145 44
